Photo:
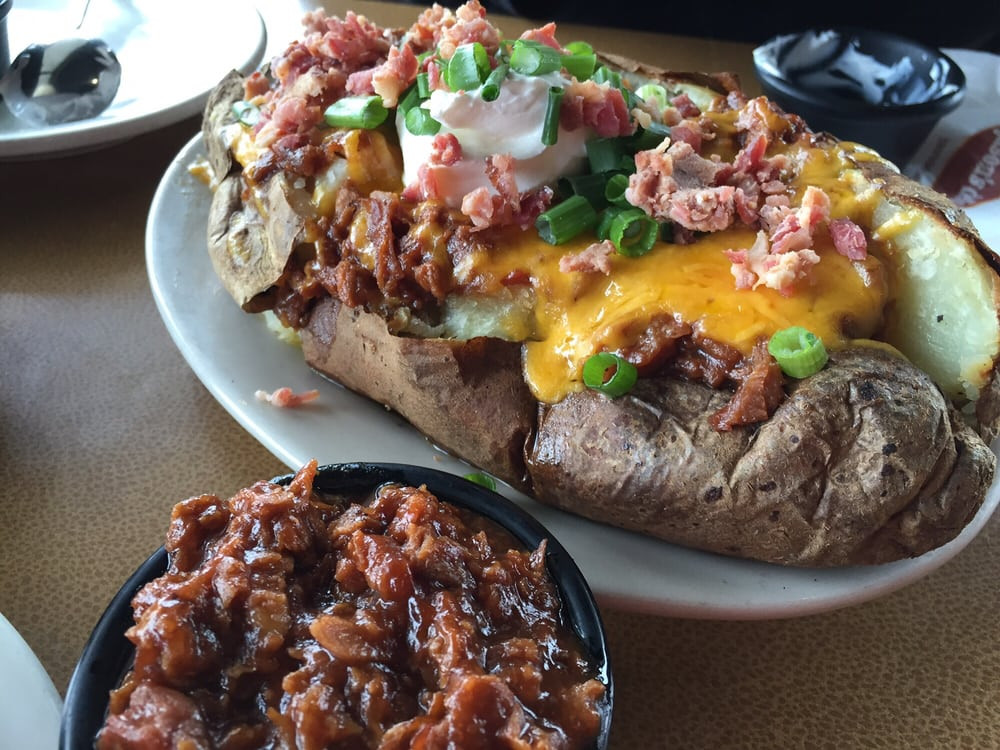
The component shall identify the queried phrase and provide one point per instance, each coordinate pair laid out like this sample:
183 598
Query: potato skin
468 397
835 477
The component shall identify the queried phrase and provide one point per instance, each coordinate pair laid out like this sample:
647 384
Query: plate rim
88 135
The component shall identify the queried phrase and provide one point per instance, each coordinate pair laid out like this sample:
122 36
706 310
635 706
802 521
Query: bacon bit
388 79
469 25
445 150
488 210
545 35
750 156
479 206
703 209
685 133
762 266
285 398
683 104
354 42
256 85
424 32
849 239
425 187
795 232
596 258
500 171
597 105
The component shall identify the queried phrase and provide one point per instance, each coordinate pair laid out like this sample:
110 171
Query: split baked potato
443 304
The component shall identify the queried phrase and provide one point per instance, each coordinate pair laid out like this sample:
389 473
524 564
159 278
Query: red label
972 174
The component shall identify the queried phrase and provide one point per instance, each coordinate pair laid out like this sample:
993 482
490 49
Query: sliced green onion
356 112
633 233
627 164
605 154
590 186
604 74
491 87
798 352
650 137
614 190
579 48
653 93
610 374
467 67
566 220
581 67
667 231
608 215
409 100
419 122
423 85
246 113
482 479
534 59
550 127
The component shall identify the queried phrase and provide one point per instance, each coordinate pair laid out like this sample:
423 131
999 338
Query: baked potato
422 282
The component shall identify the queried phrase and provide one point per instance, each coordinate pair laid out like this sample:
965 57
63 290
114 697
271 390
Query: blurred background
973 24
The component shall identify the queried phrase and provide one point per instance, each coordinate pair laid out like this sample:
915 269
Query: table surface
103 427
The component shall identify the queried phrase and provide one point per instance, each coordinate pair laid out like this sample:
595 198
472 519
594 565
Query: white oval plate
29 704
234 355
172 55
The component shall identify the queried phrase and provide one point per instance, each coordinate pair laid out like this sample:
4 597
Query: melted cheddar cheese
579 314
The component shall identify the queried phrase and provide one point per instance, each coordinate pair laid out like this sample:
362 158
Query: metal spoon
68 80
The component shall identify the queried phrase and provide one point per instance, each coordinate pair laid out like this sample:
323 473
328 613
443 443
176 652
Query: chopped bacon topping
508 206
597 105
468 25
704 209
445 150
849 239
500 171
389 79
354 41
596 258
545 35
285 398
760 265
683 104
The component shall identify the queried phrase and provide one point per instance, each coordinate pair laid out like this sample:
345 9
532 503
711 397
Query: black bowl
107 656
878 89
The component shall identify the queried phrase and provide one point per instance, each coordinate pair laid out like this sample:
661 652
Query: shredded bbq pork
288 620
684 181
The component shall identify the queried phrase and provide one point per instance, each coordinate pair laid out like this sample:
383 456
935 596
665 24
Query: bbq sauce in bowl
354 608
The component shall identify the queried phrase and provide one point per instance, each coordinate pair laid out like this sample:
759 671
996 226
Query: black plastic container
108 653
836 79
5 6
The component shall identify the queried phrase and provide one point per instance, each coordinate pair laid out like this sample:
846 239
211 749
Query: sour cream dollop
511 124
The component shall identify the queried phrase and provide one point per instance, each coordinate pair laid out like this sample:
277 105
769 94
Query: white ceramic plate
172 54
29 703
234 355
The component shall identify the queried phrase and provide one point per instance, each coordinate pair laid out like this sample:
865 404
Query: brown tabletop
103 427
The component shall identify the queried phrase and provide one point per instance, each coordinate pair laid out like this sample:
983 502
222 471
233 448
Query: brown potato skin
864 463
468 397
835 477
